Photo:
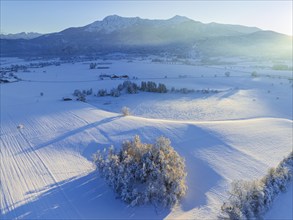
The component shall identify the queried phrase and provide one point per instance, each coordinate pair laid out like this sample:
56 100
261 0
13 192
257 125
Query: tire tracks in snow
51 175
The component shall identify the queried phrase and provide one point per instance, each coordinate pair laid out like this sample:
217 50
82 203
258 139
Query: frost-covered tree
120 87
143 86
184 90
126 84
81 97
115 93
77 92
102 92
93 65
162 88
125 111
254 74
151 86
143 173
250 200
89 91
132 88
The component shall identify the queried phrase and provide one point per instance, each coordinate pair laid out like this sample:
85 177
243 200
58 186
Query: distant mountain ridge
178 36
22 35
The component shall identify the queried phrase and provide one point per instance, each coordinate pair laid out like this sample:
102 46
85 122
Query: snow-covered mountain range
112 23
116 23
178 35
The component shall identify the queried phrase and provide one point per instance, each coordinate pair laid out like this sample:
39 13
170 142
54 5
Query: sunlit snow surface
46 168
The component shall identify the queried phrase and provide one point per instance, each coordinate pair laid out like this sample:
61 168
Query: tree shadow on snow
227 94
201 177
86 197
188 141
70 133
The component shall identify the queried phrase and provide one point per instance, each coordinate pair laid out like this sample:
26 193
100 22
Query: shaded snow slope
282 207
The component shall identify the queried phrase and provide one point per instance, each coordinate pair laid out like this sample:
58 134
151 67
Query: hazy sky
52 16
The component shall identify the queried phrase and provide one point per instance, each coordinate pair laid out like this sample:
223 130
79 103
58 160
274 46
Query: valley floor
46 166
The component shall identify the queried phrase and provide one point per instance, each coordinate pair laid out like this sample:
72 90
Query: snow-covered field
46 166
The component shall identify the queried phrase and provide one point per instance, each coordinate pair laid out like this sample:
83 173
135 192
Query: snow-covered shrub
151 86
126 83
227 74
125 111
131 87
115 93
81 97
251 199
20 126
143 86
120 87
102 92
246 200
162 88
185 90
93 65
143 173
254 74
89 91
77 92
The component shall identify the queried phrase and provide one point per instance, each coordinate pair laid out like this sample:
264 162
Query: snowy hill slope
40 160
46 169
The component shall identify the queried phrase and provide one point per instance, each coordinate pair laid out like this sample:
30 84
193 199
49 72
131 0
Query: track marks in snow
27 175
48 172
